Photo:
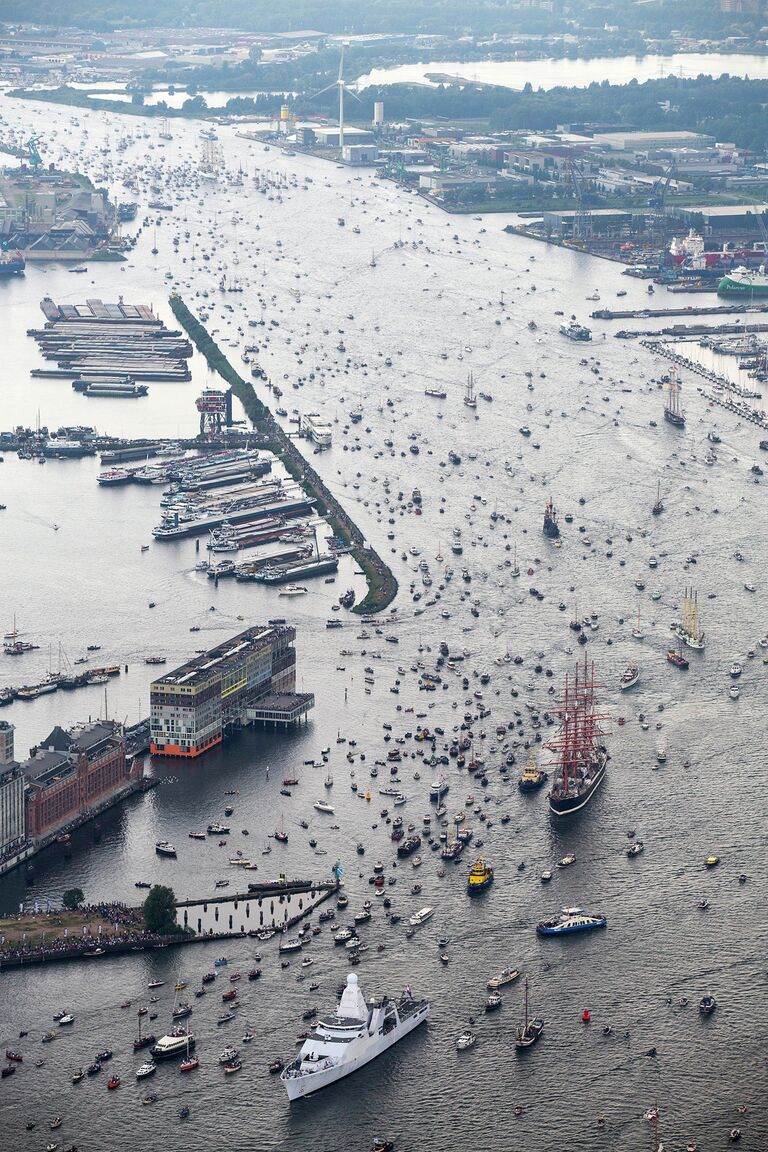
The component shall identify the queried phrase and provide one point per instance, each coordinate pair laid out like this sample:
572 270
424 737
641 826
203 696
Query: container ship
582 757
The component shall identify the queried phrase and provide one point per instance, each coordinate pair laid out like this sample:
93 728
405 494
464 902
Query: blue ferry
571 920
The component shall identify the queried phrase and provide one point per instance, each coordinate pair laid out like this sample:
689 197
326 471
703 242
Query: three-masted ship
551 526
582 755
673 412
689 631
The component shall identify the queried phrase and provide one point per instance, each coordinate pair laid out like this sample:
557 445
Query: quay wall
272 907
382 585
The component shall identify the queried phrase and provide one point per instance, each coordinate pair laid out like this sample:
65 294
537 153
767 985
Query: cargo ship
12 264
744 284
582 757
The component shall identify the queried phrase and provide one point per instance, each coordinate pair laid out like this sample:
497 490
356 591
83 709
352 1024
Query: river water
548 74
432 306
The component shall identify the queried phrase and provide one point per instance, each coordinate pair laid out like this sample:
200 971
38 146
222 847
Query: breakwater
382 585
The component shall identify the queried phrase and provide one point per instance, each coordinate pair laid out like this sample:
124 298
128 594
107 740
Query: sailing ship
658 507
469 397
530 1031
551 527
689 631
280 833
673 413
582 757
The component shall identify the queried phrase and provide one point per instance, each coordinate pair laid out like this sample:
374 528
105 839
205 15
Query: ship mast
579 727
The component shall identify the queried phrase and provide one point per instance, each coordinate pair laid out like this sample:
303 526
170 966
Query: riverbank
27 854
382 585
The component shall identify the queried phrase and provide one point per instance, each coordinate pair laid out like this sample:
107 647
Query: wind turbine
339 83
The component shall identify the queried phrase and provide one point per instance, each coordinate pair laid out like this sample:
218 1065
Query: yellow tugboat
480 876
532 777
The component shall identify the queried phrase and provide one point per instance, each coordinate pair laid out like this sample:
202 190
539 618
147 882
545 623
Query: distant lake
573 73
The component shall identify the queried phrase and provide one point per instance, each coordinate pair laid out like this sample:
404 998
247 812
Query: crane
658 197
582 221
33 155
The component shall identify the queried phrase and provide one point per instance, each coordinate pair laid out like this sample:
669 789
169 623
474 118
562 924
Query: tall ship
582 756
356 1033
551 526
673 412
744 284
689 631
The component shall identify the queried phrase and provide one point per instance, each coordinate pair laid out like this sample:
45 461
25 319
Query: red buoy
585 1016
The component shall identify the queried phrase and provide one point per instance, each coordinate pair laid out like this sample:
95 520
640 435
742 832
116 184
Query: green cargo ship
744 284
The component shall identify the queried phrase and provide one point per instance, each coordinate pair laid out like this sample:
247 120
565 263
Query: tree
160 909
73 898
254 53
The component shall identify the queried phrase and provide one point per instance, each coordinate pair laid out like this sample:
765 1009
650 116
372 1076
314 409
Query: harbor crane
28 152
582 221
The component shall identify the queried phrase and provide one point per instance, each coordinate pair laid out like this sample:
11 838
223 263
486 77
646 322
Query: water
548 74
88 582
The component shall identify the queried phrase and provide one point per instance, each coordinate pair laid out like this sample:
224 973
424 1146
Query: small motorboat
493 1002
113 1082
707 1005
466 1039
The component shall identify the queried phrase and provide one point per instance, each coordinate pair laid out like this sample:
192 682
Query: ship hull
566 931
301 1086
673 418
729 287
569 805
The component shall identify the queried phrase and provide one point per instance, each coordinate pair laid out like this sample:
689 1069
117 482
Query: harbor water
417 299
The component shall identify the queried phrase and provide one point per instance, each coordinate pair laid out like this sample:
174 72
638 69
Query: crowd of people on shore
106 927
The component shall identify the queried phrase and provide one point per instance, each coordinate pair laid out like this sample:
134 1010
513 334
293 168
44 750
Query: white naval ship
355 1033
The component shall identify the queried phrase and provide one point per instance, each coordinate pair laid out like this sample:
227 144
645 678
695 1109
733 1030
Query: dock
110 341
656 313
177 530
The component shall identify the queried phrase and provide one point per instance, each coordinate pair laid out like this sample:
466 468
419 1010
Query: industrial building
72 773
12 823
193 707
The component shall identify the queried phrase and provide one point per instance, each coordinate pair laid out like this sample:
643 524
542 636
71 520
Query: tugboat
582 761
689 631
530 1031
673 413
480 877
551 527
354 1034
532 777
